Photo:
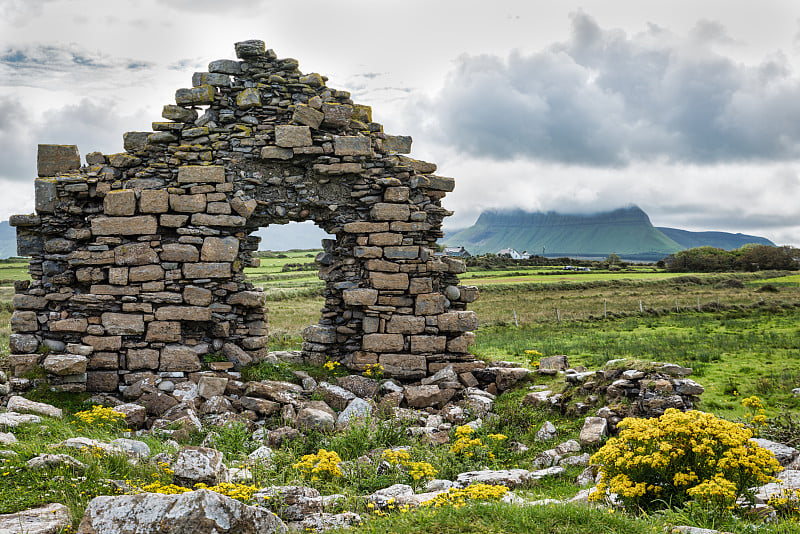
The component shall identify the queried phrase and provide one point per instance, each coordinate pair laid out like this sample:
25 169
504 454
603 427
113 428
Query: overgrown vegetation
747 258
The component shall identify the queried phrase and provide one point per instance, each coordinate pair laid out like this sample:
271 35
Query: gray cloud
42 65
17 152
92 125
608 98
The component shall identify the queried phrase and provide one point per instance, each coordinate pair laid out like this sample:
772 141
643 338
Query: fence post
641 310
516 323
605 310
558 316
676 305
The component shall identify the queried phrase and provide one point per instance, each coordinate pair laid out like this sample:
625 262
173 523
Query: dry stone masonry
137 258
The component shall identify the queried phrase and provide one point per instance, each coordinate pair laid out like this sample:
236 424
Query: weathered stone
121 202
207 270
307 115
313 419
428 344
24 321
103 343
201 95
22 343
458 321
248 299
248 98
225 66
593 431
200 511
424 396
54 159
397 143
384 211
208 174
292 136
177 113
207 219
145 273
102 381
211 386
360 297
351 145
65 364
187 203
396 281
217 249
73 324
404 366
22 405
383 342
138 225
337 115
274 152
236 354
135 254
123 323
47 519
430 304
252 48
179 358
143 358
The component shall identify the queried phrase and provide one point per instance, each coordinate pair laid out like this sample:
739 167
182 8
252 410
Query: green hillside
723 240
625 231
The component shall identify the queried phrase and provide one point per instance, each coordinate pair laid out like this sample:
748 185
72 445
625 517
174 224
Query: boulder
47 519
22 405
593 431
199 464
195 512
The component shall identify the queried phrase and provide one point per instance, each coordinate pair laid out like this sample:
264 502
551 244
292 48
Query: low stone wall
137 258
622 388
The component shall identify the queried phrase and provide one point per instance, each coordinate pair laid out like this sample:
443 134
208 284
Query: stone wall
137 258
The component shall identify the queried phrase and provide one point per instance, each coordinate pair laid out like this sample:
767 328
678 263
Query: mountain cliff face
627 232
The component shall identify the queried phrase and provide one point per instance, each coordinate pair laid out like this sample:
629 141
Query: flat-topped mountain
627 232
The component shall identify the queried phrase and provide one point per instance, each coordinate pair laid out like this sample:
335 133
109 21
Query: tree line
747 258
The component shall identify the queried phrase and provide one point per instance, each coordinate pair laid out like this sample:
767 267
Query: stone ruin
137 258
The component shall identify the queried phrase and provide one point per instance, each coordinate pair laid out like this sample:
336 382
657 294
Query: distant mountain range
626 232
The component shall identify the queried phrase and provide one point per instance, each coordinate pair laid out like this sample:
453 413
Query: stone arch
137 258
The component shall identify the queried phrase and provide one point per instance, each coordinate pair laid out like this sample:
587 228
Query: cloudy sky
689 109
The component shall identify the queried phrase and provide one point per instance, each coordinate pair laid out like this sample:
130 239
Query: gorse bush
680 457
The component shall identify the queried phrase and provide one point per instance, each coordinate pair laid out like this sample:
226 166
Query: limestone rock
22 405
314 419
13 420
47 519
197 512
199 464
593 431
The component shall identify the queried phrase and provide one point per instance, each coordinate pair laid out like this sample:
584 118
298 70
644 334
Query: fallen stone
593 431
510 478
198 512
13 420
783 453
22 405
313 419
53 461
546 432
199 464
357 410
48 519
